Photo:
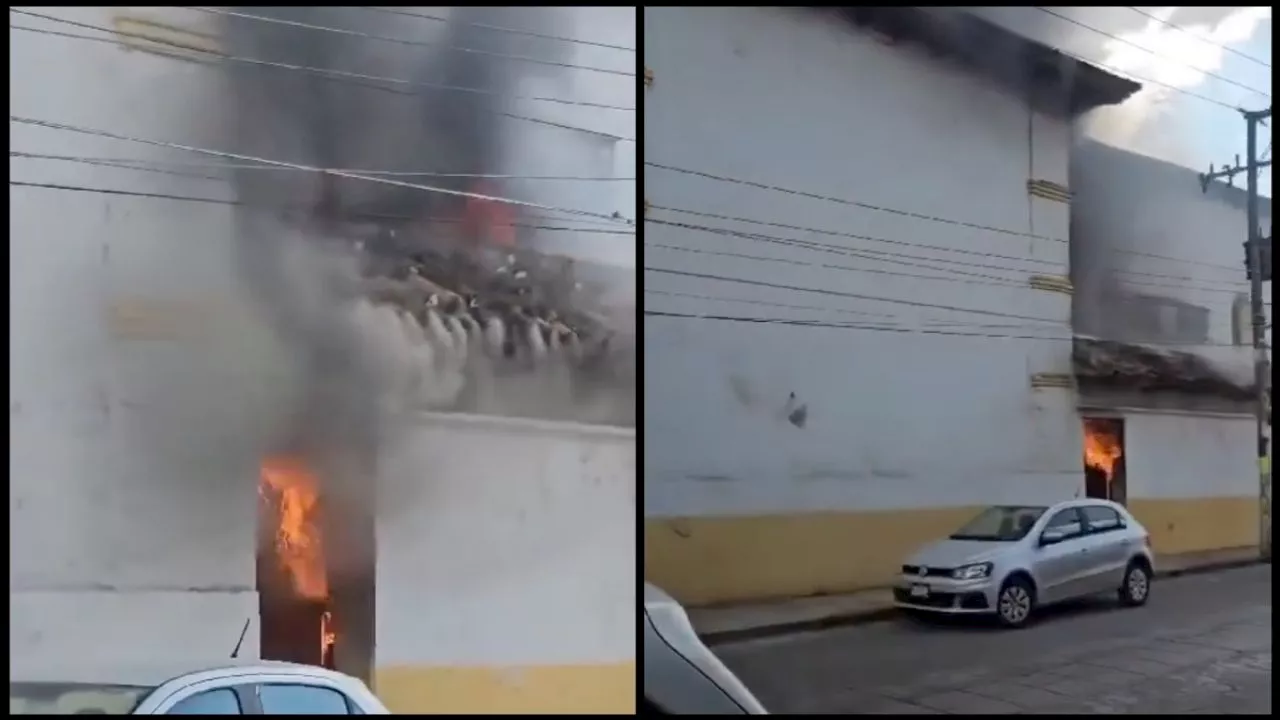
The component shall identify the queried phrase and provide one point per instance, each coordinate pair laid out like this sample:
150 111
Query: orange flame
327 638
297 538
1101 448
491 220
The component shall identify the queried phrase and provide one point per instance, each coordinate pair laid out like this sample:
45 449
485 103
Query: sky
1221 54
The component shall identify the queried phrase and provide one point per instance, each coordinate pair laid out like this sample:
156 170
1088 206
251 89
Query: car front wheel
1137 585
1015 603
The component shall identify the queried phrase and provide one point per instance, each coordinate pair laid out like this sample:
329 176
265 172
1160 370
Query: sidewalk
752 620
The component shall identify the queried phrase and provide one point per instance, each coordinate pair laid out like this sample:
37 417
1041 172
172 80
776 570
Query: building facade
149 388
857 314
1165 345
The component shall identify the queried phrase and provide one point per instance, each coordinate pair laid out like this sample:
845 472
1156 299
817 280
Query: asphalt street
1201 645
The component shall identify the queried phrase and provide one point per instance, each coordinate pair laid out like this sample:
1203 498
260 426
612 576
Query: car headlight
972 572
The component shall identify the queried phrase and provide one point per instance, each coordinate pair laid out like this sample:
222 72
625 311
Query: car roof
156 673
654 597
1083 502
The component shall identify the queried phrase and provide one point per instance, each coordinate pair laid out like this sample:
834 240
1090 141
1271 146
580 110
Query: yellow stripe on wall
608 689
709 560
1197 525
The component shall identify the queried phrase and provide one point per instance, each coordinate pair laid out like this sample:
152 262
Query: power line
1206 41
241 203
403 41
290 66
876 255
495 28
908 243
891 258
840 293
146 164
334 173
843 311
843 326
159 168
1149 51
884 328
212 58
828 266
903 213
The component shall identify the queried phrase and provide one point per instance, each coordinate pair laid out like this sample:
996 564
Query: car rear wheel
1136 587
1015 603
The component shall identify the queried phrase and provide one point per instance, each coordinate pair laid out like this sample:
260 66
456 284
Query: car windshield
1001 523
51 698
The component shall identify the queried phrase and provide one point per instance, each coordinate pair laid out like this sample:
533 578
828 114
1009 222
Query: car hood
955 553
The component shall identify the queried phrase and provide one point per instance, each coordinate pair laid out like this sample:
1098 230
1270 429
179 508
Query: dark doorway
1104 459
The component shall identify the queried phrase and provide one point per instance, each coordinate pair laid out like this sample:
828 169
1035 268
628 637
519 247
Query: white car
238 687
1011 560
681 676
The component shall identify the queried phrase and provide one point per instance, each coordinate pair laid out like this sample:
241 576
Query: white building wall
897 418
603 146
506 568
132 494
1187 456
143 386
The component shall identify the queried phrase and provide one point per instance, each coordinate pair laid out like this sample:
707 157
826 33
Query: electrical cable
403 41
863 252
241 203
906 330
856 296
334 173
288 66
146 164
1149 51
901 213
212 58
423 16
1206 41
160 168
883 318
848 268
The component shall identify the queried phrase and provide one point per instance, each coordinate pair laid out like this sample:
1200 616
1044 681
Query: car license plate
919 591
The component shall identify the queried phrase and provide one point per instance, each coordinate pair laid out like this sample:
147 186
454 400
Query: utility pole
1258 272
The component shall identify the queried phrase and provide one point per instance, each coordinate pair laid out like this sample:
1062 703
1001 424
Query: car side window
1067 522
279 699
1102 518
222 701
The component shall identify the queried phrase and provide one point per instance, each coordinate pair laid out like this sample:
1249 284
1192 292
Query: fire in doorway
1104 458
297 620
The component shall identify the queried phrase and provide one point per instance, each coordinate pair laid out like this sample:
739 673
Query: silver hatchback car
681 676
1011 560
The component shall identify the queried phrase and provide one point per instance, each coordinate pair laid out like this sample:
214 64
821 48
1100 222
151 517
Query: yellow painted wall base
1188 526
608 689
710 560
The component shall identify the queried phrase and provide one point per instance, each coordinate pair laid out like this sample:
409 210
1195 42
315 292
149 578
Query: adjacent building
1164 357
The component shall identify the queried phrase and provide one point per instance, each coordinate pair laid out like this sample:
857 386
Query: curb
880 614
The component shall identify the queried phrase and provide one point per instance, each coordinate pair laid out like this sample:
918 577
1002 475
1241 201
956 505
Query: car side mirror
1051 536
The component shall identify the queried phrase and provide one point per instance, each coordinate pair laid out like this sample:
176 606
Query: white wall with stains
132 407
506 560
928 401
1186 456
